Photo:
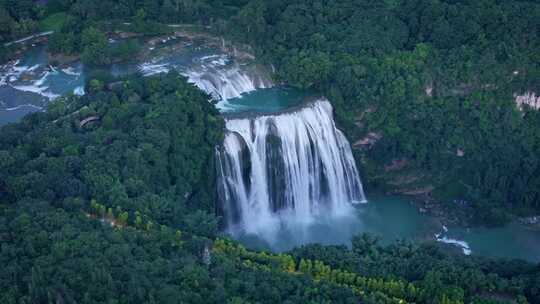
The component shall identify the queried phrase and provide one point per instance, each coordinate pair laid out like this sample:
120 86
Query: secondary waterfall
224 80
218 75
291 165
33 80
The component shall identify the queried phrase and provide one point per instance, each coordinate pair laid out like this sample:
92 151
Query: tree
139 21
365 244
123 218
251 19
6 25
95 47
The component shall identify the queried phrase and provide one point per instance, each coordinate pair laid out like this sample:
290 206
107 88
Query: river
394 218
28 84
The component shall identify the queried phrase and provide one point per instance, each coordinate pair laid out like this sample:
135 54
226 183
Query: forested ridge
109 197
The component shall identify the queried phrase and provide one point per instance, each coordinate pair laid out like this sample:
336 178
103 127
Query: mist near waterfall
292 170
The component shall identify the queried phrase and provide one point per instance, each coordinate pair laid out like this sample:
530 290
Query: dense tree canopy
109 197
148 144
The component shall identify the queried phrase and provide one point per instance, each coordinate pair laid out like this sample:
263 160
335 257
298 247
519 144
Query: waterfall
226 84
217 75
223 79
295 164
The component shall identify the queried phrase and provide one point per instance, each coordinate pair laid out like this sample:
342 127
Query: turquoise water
33 73
269 100
390 218
33 80
28 84
512 241
14 115
164 59
395 218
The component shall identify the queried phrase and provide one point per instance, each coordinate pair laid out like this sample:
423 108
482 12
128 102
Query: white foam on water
149 68
30 88
224 83
11 72
23 106
529 99
72 71
79 91
204 58
38 86
11 75
461 244
39 82
33 68
213 74
43 91
221 61
215 60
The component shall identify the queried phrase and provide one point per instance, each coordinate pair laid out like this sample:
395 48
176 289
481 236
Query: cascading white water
291 165
224 84
224 80
217 75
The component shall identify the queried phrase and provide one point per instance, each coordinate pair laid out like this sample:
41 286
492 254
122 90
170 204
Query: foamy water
441 237
24 106
149 68
216 74
79 91
213 72
33 74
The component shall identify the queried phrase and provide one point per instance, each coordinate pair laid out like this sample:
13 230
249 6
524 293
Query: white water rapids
217 75
291 166
225 80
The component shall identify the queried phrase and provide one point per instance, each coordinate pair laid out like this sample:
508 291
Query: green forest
110 197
